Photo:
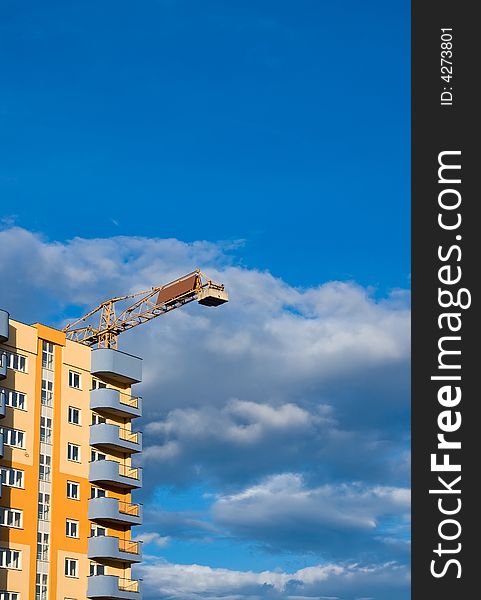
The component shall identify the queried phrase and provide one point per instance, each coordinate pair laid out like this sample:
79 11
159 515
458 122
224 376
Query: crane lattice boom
144 307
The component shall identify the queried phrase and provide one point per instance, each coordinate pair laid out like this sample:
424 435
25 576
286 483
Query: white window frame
45 467
97 384
10 477
13 437
71 486
9 515
44 506
94 530
41 586
95 454
48 350
98 419
9 595
96 568
16 362
43 546
14 399
46 394
72 528
72 380
72 410
11 558
72 447
71 562
96 492
46 429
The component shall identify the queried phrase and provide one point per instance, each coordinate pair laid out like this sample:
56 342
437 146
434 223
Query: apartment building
67 438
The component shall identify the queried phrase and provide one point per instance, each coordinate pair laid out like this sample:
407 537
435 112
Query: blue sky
282 124
267 142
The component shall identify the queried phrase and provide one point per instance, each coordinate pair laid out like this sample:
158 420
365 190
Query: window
97 419
10 559
12 477
41 587
16 361
43 506
74 380
46 430
96 531
15 400
9 596
97 456
45 467
96 492
46 395
73 452
96 384
10 517
96 569
13 437
71 567
73 490
71 528
42 546
74 415
47 356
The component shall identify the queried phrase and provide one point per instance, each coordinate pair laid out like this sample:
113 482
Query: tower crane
114 317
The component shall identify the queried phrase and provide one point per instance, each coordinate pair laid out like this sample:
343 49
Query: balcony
117 366
112 402
112 473
111 548
3 365
4 323
114 511
106 436
113 588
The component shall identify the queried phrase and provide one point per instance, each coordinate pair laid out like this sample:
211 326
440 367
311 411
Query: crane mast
114 317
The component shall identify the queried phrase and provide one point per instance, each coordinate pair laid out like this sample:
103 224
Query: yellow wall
27 340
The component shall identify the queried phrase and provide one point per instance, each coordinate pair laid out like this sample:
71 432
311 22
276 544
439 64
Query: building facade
67 439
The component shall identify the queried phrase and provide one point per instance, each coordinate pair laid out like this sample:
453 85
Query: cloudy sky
266 143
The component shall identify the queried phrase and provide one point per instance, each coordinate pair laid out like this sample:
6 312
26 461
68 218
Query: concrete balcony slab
4 325
107 436
112 402
112 473
115 511
111 587
111 548
117 366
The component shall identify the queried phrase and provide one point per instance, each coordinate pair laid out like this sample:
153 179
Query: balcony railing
127 471
112 548
129 436
114 510
127 508
129 546
113 401
132 401
129 585
113 587
111 472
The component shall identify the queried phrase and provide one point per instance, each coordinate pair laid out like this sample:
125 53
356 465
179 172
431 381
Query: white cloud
167 580
253 374
280 379
284 512
152 537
